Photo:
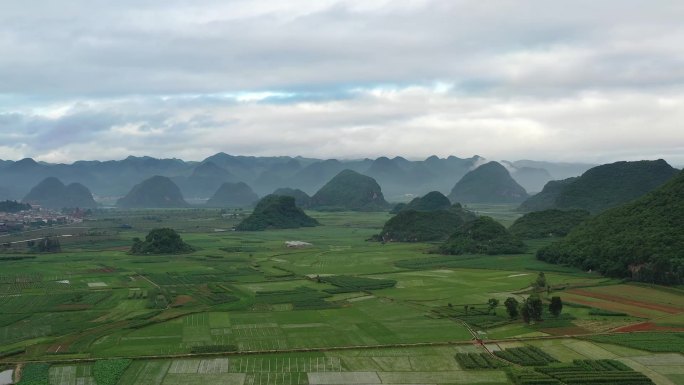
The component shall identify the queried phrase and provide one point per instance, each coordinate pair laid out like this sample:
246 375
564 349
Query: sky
588 81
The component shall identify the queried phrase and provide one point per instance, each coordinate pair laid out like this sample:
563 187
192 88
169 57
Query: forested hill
603 187
490 183
642 240
350 190
155 192
276 212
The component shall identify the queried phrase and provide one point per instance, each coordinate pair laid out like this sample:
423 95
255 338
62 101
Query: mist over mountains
198 181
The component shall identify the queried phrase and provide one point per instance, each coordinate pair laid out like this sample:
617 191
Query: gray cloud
345 78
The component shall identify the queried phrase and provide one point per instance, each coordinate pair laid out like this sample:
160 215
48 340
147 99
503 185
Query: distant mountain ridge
199 180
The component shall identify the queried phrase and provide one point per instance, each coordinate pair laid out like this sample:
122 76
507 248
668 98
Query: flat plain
245 309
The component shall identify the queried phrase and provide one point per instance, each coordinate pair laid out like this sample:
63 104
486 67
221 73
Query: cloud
581 80
414 121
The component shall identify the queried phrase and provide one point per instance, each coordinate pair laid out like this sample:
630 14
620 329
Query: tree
161 241
47 245
511 307
536 307
493 303
526 312
556 306
540 283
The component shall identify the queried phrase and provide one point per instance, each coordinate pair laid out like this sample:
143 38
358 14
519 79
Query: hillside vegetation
302 199
431 201
424 226
642 240
547 223
161 241
13 206
276 212
482 236
350 190
489 183
605 186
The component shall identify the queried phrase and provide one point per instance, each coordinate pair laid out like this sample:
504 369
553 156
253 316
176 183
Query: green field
245 309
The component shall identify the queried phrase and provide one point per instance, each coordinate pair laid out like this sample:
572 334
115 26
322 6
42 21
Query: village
37 217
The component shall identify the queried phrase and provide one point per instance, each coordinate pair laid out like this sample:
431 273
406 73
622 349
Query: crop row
478 361
197 279
348 284
526 356
653 342
530 377
108 372
35 374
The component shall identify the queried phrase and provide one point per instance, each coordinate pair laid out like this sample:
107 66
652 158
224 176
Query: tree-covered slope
482 236
642 239
350 190
546 199
547 223
424 226
233 195
489 183
431 201
603 187
155 192
161 241
13 206
276 212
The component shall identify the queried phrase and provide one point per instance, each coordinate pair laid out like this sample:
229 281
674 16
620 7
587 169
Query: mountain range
398 177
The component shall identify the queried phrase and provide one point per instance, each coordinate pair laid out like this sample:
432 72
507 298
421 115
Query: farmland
245 309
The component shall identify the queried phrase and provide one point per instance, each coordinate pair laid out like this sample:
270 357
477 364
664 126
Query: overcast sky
579 80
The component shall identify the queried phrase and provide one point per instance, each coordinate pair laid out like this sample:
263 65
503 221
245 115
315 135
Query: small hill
547 223
482 236
607 186
432 201
78 195
52 193
155 192
642 240
161 241
302 199
546 199
350 190
276 212
424 226
489 183
233 195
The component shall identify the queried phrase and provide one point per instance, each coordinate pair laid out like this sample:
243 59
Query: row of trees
532 308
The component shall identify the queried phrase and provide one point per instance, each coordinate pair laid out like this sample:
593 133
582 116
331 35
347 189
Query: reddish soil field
182 300
613 298
648 327
608 306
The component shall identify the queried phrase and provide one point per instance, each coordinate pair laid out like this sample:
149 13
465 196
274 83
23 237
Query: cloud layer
581 80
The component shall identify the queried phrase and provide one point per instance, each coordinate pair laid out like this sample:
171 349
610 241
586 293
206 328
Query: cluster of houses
37 217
